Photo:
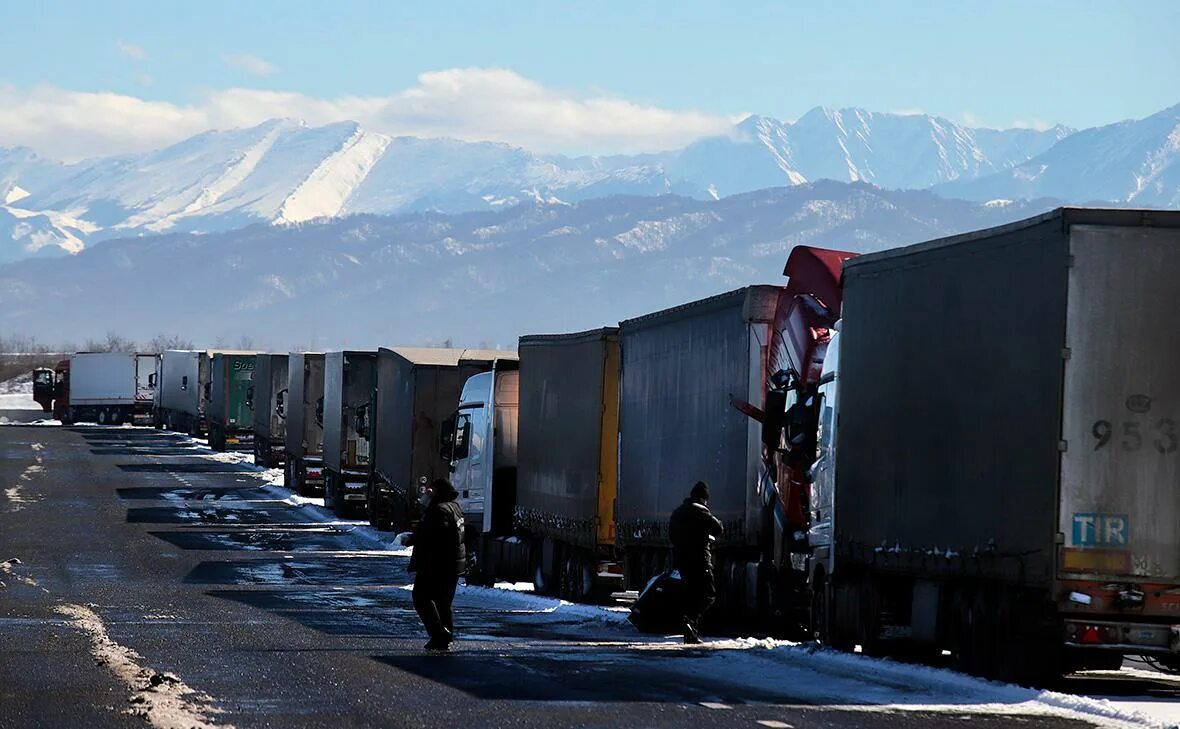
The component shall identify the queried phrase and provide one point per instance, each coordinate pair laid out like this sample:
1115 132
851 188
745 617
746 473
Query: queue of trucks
968 445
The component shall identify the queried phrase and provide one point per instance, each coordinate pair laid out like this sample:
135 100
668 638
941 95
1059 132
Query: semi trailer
304 470
230 408
682 368
417 389
270 410
350 381
557 527
998 449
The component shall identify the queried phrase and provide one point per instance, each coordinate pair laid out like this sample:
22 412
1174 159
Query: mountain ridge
284 171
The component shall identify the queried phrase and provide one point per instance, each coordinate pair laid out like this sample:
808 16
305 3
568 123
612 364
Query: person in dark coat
439 558
692 530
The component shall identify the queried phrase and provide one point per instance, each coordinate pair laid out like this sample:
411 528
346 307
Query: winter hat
443 490
700 491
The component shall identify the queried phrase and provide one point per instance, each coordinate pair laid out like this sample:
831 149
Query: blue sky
989 63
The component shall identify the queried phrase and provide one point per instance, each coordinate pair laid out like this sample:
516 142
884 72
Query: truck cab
823 471
43 388
480 442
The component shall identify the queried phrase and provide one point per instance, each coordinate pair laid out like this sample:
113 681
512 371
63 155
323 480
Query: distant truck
417 389
181 382
109 388
554 524
305 423
999 448
350 382
230 402
270 410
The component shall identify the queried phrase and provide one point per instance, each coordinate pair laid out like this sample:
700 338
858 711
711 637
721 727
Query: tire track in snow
161 698
17 501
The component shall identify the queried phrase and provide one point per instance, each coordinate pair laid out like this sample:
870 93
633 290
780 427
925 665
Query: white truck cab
823 471
482 441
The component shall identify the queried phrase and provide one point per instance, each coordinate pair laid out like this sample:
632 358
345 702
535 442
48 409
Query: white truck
107 388
481 440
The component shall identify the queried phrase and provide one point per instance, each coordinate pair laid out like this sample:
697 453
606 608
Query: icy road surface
150 582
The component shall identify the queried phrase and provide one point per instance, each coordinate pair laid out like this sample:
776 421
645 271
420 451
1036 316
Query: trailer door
1120 472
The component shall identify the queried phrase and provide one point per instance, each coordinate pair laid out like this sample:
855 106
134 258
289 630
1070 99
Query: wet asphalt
284 620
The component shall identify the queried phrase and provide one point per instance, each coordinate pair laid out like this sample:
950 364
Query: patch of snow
17 394
15 193
329 186
161 698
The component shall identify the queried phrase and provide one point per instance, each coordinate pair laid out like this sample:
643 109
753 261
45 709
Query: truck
230 401
558 528
480 439
270 410
998 451
417 390
691 377
304 469
350 381
102 387
181 384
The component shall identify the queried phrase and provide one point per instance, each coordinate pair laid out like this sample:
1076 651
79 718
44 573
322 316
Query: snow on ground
17 394
808 673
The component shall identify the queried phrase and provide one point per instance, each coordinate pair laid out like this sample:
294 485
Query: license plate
354 497
232 441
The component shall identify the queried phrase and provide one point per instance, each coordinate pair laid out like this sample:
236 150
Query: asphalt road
145 584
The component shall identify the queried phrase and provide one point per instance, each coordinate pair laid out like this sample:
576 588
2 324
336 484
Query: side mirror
152 380
772 418
362 421
250 397
281 404
319 412
446 438
184 382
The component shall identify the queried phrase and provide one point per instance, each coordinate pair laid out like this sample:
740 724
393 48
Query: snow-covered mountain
476 278
285 172
889 150
1134 162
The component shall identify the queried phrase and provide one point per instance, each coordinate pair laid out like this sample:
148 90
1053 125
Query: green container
231 401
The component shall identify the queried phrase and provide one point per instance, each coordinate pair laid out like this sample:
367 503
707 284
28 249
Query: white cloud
1038 124
474 104
131 50
250 64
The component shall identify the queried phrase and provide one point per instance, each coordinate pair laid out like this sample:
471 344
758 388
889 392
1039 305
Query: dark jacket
692 530
438 540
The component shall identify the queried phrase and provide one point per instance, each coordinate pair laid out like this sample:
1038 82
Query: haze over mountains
285 172
480 278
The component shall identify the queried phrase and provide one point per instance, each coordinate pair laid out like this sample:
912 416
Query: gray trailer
681 371
562 534
270 415
305 430
182 378
417 390
1007 450
350 381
